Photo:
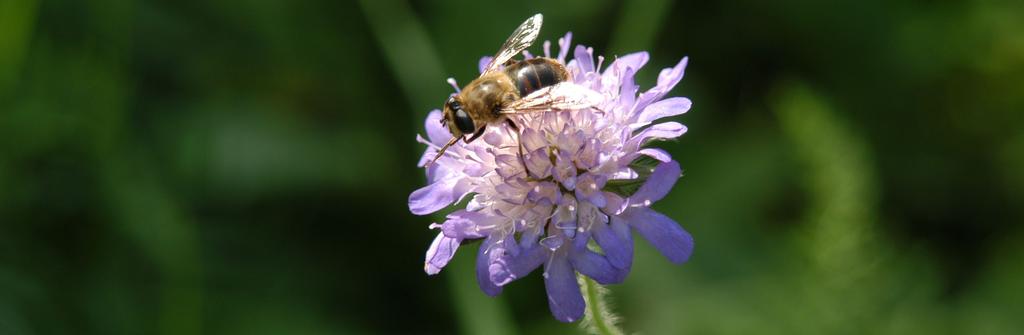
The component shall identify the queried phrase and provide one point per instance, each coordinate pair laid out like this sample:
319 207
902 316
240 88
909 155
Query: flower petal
617 247
656 153
633 61
658 184
445 167
589 155
664 130
545 193
621 74
564 216
563 46
596 266
570 141
667 79
464 224
538 163
440 252
584 57
663 108
436 132
484 61
615 203
564 296
565 170
592 264
433 197
483 273
628 89
666 235
532 140
588 187
506 269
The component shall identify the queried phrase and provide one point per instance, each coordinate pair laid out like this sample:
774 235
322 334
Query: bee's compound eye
454 104
464 122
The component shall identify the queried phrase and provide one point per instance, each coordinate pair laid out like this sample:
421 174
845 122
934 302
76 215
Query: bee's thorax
484 97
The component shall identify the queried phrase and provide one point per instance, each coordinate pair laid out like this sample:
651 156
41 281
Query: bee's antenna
451 81
441 152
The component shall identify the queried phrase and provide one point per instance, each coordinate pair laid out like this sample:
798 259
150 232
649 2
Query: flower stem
598 318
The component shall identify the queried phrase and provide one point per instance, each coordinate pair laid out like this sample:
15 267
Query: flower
588 177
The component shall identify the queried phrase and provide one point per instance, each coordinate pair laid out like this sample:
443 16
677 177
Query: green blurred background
243 167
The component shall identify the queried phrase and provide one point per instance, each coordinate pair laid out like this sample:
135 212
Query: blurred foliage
243 167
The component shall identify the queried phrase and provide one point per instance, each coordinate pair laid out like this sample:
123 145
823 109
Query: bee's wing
559 97
521 39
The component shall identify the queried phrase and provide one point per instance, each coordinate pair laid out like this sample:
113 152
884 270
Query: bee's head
456 119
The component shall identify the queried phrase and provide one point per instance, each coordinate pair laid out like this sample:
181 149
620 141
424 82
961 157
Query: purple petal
617 247
585 58
484 61
633 61
529 237
427 156
532 140
463 224
627 92
565 170
440 252
588 187
667 79
506 269
483 274
564 217
554 240
563 46
665 130
538 163
664 108
508 166
546 193
615 203
592 264
658 184
570 141
564 296
589 156
436 133
597 267
433 197
494 138
666 235
656 153
621 172
568 229
621 73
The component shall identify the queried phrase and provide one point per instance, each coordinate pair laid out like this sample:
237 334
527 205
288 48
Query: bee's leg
522 159
512 125
475 135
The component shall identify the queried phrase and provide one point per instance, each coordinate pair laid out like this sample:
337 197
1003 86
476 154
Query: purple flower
590 178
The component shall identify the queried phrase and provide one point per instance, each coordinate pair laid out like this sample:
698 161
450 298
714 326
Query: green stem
599 318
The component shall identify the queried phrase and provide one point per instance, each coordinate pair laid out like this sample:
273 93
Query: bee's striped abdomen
533 74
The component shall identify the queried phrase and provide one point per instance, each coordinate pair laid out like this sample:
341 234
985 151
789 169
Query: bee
508 87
